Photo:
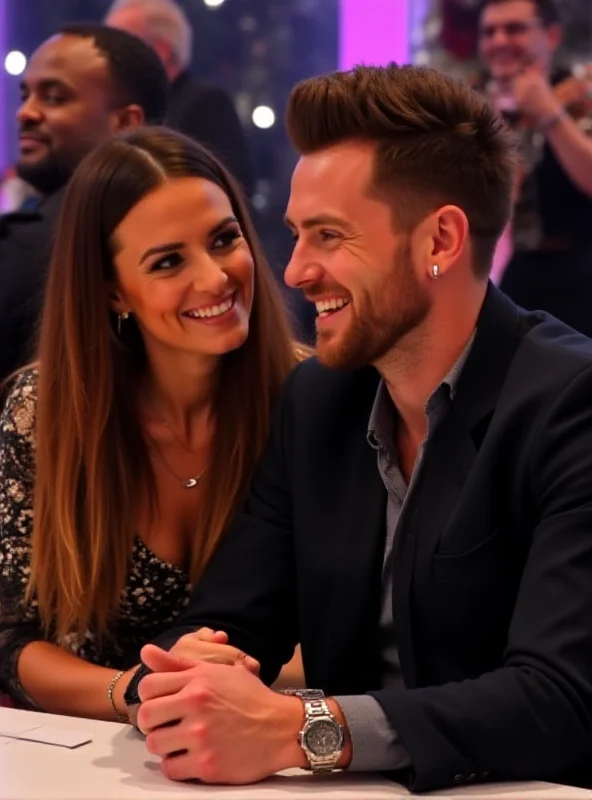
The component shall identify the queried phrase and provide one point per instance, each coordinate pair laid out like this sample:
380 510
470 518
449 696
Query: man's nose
29 111
301 271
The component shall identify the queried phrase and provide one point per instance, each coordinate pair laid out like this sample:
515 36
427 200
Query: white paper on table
44 734
10 727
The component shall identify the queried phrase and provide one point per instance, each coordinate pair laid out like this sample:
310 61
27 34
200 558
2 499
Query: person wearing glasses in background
550 108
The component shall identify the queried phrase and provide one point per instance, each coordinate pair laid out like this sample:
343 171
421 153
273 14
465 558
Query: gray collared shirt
375 745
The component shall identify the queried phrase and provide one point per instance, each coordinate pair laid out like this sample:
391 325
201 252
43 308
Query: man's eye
55 99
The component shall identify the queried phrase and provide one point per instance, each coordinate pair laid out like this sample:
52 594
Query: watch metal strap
318 709
305 694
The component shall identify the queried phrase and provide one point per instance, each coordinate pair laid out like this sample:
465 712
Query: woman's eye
169 261
226 239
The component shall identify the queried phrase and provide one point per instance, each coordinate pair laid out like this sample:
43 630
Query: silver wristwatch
322 737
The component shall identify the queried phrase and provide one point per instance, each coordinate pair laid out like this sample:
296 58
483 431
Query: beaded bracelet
118 716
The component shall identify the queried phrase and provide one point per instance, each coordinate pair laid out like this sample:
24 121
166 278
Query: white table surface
117 765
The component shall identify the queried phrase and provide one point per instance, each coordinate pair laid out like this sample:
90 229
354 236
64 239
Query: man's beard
46 176
381 318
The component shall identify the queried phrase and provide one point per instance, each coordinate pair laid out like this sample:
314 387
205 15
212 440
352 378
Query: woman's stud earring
120 318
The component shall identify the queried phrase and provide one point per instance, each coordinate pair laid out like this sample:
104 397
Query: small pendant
190 483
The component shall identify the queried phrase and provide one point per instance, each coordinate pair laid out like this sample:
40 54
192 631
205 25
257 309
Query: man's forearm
574 152
374 744
370 743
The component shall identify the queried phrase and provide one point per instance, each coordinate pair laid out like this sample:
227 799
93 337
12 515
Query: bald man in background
198 109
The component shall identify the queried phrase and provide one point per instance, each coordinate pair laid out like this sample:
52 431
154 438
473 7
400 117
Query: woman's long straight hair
92 461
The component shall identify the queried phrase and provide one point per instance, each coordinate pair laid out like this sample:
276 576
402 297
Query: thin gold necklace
187 483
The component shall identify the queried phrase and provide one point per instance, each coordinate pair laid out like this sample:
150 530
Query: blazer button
472 776
485 776
458 778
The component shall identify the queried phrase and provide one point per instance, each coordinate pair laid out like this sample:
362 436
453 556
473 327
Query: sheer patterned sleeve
19 622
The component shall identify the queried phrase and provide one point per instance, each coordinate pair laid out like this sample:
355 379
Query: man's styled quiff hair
437 143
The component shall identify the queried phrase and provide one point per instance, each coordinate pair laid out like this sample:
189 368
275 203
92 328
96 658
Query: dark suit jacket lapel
352 629
449 457
497 337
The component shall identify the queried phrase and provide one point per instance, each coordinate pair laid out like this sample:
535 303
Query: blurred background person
202 111
81 86
254 50
14 191
449 35
551 111
164 343
550 108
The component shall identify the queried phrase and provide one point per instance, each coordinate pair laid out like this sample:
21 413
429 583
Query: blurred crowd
511 50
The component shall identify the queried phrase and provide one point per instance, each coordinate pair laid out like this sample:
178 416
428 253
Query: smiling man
421 521
551 110
80 87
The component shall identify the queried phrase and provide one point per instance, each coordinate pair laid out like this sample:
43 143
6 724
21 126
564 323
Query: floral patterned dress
155 593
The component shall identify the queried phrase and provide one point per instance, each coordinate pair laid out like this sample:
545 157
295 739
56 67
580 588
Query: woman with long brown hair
125 452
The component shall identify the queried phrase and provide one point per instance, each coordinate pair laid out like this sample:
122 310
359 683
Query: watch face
323 737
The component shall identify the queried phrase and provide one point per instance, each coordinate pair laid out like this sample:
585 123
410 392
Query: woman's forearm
62 683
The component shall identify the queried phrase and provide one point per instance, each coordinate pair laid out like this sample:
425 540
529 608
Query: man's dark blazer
207 114
492 583
26 239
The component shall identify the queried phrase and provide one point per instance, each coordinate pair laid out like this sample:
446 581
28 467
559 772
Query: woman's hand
212 646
